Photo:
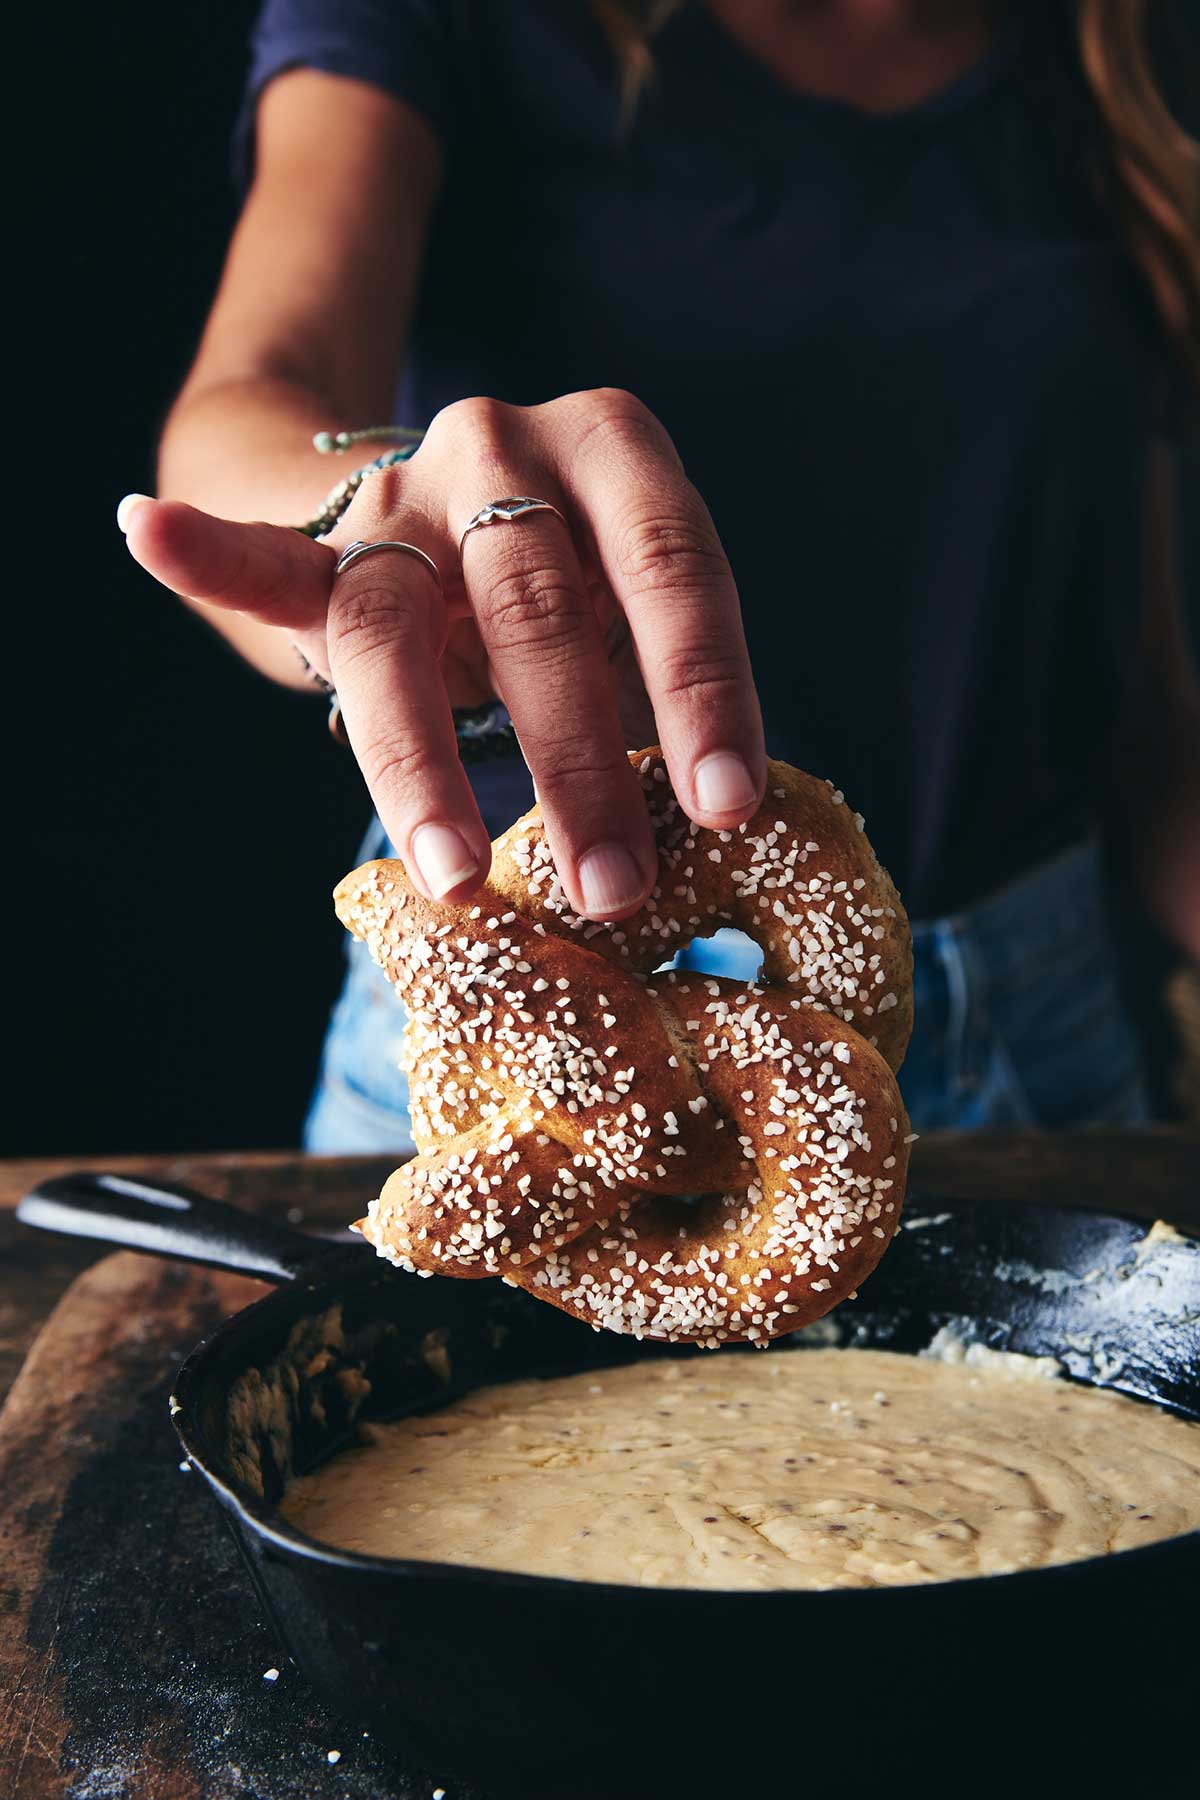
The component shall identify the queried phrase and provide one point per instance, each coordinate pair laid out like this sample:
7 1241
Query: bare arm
1160 743
306 334
309 324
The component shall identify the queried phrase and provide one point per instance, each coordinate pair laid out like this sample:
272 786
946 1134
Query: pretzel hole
694 1217
726 952
691 1220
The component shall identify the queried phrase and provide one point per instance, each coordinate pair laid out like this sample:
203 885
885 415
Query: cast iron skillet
1083 1675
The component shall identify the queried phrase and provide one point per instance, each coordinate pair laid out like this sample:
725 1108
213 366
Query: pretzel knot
667 1154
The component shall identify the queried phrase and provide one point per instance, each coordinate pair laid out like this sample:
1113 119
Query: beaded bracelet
483 732
338 498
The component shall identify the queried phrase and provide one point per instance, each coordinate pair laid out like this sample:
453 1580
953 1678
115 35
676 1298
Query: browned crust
555 1089
697 892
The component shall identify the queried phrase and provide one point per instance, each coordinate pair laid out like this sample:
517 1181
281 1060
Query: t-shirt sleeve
404 47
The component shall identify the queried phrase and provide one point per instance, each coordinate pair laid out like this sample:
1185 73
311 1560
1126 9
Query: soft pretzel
564 1098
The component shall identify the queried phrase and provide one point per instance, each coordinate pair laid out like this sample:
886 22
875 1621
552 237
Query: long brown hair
1147 167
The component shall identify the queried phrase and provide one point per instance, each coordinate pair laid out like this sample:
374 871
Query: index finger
662 558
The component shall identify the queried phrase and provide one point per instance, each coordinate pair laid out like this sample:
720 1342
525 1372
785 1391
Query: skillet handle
166 1219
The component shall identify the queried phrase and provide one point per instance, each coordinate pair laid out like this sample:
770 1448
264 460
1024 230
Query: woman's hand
532 609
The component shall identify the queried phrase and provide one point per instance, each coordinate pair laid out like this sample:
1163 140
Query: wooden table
133 1657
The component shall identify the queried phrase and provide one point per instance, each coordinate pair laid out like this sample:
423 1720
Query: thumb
270 571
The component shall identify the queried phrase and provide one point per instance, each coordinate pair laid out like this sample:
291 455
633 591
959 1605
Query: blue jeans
1018 1018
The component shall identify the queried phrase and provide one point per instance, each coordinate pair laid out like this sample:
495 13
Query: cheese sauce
802 1469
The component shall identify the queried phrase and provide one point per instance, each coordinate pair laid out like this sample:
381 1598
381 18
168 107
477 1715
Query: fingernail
127 508
609 879
443 858
723 783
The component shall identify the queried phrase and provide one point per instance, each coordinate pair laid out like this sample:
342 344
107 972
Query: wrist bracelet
338 498
484 732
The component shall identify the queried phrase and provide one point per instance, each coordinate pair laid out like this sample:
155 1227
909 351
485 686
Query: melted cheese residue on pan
802 1469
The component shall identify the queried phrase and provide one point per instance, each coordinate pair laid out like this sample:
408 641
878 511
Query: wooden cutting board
132 1645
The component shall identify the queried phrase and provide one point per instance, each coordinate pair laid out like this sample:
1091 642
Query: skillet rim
267 1525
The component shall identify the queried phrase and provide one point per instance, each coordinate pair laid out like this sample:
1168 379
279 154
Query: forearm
308 327
243 450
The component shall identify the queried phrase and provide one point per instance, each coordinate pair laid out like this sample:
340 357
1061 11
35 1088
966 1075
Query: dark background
175 824
180 822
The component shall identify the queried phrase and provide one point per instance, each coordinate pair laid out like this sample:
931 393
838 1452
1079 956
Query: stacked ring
481 731
359 548
351 554
503 512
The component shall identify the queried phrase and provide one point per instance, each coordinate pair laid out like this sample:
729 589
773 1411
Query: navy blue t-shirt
902 358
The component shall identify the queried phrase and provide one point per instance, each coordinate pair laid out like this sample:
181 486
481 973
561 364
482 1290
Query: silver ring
503 512
355 552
